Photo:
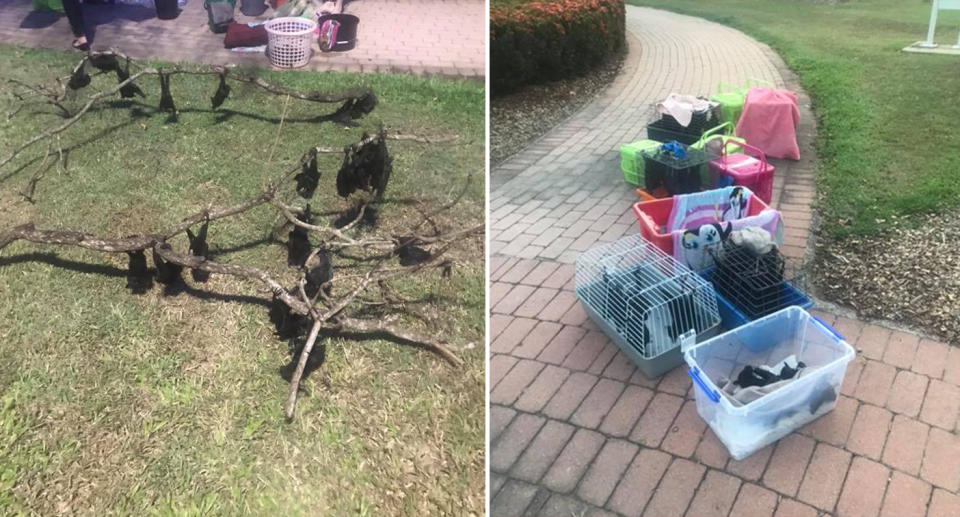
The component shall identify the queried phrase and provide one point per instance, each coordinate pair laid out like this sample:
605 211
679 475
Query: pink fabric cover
769 122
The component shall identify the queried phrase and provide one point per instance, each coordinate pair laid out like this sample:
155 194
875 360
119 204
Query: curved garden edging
542 41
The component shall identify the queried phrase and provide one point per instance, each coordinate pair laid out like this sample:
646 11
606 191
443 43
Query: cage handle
828 327
711 394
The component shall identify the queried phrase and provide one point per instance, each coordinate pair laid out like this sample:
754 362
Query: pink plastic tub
747 169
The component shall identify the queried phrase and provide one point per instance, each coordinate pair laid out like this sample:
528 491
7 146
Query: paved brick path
576 430
434 37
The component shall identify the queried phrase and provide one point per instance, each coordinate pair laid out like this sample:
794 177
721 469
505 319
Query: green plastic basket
731 99
631 166
47 5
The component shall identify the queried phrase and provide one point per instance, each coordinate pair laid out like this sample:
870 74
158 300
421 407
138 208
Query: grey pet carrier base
645 301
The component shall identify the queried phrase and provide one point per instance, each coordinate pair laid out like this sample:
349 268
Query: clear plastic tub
745 429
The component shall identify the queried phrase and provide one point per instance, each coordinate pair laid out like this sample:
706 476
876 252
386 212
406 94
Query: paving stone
676 489
544 448
558 306
499 366
715 495
941 405
496 483
788 463
676 381
904 449
568 398
656 419
520 269
561 345
536 341
573 461
540 273
872 342
522 374
869 431
951 372
500 418
930 359
513 441
941 460
619 368
586 350
711 451
624 414
754 501
943 504
542 389
512 335
824 477
575 316
598 403
791 508
863 491
561 278
606 470
533 304
513 299
906 497
639 481
907 393
685 432
901 348
753 466
560 505
875 382
513 498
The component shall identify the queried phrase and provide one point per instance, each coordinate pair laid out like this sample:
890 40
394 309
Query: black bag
219 14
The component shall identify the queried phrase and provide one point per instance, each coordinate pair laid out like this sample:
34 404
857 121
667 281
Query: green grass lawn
115 403
889 134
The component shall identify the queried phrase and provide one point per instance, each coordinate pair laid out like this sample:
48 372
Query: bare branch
291 405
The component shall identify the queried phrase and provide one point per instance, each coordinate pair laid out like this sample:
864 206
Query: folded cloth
243 35
779 375
682 107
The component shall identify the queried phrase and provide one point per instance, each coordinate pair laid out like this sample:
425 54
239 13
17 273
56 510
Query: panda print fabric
700 222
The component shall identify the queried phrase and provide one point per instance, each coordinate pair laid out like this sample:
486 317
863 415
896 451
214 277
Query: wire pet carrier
754 284
645 301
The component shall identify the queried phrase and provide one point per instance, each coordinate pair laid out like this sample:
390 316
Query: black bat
167 273
139 278
130 89
366 166
319 274
166 100
199 248
223 91
409 253
309 177
105 62
298 243
79 78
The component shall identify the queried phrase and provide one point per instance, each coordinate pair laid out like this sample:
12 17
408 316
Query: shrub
548 40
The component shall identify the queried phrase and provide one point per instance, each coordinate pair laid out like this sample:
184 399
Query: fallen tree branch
291 405
382 327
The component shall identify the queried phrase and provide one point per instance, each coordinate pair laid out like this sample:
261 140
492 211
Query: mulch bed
519 118
910 275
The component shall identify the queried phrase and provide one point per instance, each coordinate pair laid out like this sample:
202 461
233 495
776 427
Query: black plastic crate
662 131
677 176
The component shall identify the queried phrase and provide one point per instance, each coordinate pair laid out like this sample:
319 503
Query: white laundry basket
290 41
745 429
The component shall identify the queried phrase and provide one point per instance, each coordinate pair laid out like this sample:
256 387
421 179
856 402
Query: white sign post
938 5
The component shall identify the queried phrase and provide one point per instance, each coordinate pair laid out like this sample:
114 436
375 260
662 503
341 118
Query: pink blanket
769 122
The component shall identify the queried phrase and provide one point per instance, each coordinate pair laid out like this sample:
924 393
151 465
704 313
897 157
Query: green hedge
542 41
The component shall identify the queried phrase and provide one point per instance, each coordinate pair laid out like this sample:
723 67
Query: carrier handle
726 128
711 394
747 149
828 327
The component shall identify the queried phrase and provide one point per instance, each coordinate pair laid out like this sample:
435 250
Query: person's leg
75 17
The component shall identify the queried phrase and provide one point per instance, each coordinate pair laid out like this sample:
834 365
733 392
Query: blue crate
731 317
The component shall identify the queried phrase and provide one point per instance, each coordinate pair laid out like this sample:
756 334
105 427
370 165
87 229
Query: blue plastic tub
731 317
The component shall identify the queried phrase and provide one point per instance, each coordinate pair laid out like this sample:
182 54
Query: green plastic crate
632 167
